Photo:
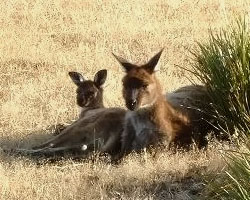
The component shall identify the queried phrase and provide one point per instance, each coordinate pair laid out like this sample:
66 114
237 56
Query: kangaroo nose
131 105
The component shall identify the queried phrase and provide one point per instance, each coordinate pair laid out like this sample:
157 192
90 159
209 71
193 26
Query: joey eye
90 94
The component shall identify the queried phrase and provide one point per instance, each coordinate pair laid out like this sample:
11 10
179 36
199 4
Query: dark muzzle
131 105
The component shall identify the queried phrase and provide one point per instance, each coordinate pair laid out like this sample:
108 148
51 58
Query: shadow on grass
31 139
161 187
10 145
12 148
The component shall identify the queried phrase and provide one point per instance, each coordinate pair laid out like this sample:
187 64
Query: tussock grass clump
234 182
223 65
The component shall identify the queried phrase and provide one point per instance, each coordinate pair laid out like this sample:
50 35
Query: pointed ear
126 65
76 77
100 77
152 63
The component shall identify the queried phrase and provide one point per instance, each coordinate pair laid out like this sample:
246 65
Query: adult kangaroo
152 119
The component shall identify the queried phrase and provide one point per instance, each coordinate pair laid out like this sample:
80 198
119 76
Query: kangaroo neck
162 111
83 110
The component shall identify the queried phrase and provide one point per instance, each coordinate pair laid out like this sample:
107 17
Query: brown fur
170 121
162 123
100 131
195 102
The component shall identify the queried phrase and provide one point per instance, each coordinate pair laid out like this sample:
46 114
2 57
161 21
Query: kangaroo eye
144 86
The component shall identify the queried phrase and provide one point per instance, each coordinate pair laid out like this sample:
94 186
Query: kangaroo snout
81 101
132 104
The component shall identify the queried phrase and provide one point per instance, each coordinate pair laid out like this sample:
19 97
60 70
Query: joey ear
152 63
76 77
126 65
100 77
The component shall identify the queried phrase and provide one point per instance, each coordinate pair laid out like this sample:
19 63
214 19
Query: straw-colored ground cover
40 41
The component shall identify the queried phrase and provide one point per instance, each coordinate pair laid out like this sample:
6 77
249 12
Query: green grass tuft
223 65
234 182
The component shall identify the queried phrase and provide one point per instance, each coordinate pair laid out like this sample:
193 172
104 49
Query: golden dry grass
42 40
167 176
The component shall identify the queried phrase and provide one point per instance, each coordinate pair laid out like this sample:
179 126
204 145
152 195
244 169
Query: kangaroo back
99 132
195 101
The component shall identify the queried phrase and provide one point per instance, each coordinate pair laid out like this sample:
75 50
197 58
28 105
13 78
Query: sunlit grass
233 183
42 40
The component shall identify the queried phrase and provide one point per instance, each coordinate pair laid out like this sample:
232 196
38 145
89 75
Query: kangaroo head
89 93
140 87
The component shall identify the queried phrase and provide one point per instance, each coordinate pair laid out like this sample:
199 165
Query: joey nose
80 101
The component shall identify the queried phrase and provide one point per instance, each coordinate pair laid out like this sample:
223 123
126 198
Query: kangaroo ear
126 65
100 77
152 63
76 77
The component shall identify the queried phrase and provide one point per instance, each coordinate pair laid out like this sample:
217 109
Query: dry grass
166 176
42 40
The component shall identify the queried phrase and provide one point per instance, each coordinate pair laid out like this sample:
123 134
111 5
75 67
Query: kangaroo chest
141 122
144 130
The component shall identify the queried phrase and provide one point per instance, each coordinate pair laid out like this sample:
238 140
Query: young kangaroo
89 95
151 119
98 128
